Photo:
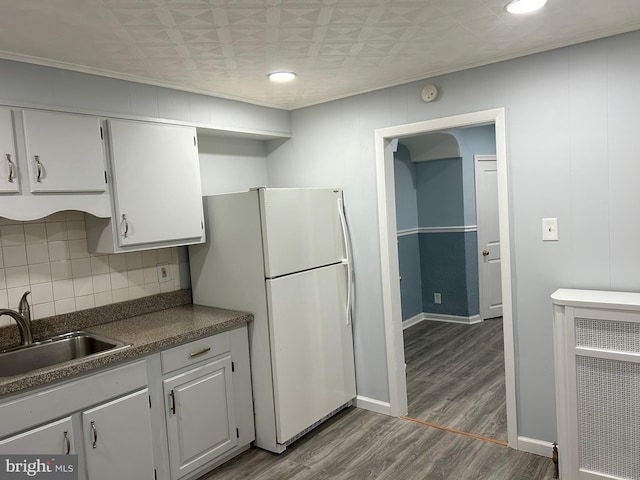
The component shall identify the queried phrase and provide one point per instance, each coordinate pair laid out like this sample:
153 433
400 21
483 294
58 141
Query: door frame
481 272
384 138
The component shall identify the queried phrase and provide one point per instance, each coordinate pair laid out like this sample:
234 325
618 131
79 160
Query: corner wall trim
373 405
410 322
537 447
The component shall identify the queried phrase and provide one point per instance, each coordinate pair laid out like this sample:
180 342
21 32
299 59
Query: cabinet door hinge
233 367
149 401
237 433
194 142
101 134
105 177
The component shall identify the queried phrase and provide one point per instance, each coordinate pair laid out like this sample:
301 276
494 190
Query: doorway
389 253
445 192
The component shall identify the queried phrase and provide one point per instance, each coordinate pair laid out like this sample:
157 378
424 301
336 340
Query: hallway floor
361 445
455 376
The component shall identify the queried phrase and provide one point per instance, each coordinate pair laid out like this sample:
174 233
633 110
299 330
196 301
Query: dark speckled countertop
147 333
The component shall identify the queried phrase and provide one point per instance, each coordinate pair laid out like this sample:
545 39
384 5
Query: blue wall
440 193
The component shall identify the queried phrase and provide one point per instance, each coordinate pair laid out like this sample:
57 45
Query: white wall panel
32 85
231 164
564 148
143 100
624 167
590 252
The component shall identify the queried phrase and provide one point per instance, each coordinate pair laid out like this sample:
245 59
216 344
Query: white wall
24 84
572 154
231 164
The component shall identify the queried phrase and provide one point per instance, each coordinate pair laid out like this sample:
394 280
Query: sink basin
55 350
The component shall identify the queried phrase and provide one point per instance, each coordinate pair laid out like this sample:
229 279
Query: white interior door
301 229
311 347
488 236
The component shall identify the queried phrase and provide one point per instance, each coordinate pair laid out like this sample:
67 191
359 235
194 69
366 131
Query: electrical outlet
437 298
164 272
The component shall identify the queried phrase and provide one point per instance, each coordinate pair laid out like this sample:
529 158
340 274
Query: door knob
485 253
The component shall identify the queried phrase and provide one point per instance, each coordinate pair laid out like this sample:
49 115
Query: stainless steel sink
55 350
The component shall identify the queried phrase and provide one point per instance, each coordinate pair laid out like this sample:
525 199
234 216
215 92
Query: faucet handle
23 306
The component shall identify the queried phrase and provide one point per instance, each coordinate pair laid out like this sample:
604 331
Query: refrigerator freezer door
312 347
300 229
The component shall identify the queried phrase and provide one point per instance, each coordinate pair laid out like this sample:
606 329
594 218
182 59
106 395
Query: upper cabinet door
64 152
158 196
9 180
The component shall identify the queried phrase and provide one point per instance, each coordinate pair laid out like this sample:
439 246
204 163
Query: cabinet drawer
194 352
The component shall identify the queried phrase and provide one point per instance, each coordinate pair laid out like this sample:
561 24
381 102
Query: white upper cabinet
9 180
156 184
64 152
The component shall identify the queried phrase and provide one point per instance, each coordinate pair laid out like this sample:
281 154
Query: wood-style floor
455 376
361 445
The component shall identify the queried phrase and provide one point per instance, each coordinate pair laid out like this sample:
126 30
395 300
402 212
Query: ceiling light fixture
524 6
281 76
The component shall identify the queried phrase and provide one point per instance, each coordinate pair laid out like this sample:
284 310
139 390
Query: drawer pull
200 352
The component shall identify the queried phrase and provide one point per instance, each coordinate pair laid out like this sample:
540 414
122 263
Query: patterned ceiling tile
255 36
194 36
247 16
290 16
337 47
303 35
196 17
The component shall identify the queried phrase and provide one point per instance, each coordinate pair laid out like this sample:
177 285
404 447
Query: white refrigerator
284 255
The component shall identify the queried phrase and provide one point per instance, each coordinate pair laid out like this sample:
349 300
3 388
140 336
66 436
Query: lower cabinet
116 424
103 418
118 441
201 422
53 438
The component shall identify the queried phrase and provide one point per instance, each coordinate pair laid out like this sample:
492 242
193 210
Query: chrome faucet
22 318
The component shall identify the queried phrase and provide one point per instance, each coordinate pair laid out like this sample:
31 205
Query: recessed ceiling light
281 76
525 6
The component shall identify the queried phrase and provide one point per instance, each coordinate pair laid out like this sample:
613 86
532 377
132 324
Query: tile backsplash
49 257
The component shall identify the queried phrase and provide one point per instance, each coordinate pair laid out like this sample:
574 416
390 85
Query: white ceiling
338 47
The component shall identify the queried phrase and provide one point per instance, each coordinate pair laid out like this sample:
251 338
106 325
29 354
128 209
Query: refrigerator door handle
348 259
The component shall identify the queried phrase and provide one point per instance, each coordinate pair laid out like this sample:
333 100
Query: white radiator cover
597 353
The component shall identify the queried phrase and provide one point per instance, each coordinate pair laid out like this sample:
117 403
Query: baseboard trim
439 317
373 405
410 322
537 447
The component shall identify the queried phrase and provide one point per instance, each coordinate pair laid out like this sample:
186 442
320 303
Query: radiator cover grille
608 335
609 415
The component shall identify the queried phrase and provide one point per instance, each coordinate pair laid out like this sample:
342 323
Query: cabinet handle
38 169
67 443
125 226
173 402
94 434
200 352
11 168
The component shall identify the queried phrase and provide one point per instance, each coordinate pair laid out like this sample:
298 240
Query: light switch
550 229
